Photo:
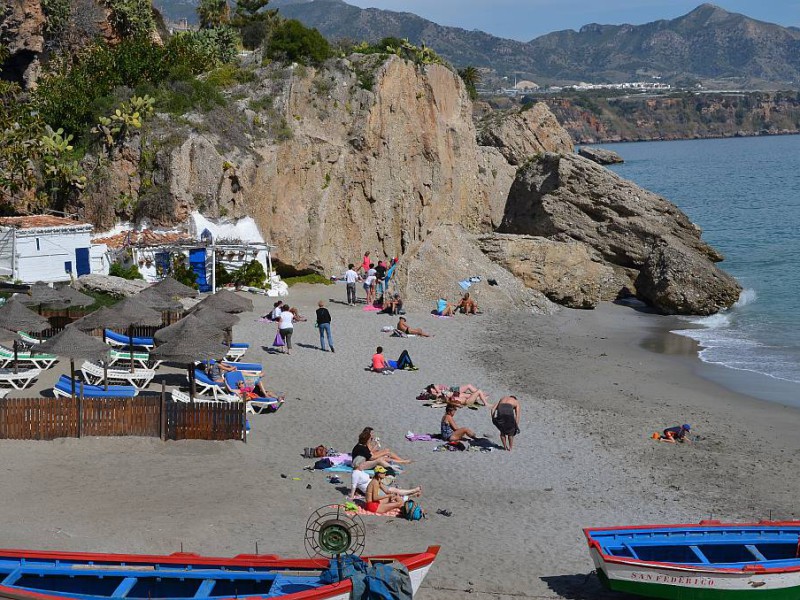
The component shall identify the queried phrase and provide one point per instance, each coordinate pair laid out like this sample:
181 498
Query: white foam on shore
723 343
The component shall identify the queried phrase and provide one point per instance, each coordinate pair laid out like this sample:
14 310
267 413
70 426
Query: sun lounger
253 369
204 385
63 388
256 405
120 339
236 351
19 380
40 361
139 378
139 358
28 338
183 397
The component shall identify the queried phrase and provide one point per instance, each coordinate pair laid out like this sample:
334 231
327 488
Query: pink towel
340 459
372 308
419 437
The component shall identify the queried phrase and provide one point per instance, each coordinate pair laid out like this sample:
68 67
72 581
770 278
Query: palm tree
213 13
471 77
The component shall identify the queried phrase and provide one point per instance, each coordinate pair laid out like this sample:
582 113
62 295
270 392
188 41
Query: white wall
46 262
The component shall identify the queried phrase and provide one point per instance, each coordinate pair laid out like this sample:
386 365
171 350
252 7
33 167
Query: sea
744 193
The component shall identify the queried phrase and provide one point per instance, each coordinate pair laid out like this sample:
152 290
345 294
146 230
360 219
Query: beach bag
320 451
412 511
278 342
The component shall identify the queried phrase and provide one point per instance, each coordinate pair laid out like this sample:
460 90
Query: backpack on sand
413 511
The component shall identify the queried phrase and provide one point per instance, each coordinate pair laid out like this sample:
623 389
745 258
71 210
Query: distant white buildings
628 85
44 248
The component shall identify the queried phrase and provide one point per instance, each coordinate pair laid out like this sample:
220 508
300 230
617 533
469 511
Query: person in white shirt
369 288
350 278
360 480
286 328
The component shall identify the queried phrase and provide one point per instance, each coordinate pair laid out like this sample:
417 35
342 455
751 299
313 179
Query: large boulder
568 197
568 273
432 269
522 134
600 155
677 280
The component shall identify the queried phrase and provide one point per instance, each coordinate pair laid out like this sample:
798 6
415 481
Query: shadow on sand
584 586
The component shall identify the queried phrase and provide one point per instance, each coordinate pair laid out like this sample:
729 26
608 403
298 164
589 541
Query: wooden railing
144 415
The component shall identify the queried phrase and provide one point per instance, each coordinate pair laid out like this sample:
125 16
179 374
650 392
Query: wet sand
594 386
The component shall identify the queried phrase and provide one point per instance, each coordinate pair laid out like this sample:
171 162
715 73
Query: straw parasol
72 343
172 288
194 344
217 318
14 316
75 297
152 299
189 327
40 294
102 317
130 313
226 302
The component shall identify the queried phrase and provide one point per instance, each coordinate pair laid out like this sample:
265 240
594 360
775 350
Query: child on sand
672 435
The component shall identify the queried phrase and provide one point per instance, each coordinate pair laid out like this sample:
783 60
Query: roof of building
526 85
40 222
145 237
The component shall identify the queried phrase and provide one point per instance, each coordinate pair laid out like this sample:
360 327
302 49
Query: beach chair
183 397
249 369
63 389
205 385
40 361
120 339
139 358
19 380
255 405
236 351
139 378
28 338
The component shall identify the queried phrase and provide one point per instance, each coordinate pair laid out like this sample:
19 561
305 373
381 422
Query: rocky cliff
382 154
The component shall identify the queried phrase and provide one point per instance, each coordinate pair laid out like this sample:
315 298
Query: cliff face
383 155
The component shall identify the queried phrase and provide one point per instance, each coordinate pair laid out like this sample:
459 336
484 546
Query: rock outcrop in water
600 155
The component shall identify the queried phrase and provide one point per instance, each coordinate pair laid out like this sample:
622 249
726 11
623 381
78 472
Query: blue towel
465 284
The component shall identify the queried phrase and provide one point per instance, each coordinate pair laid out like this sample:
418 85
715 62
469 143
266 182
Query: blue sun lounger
258 405
63 388
120 339
254 367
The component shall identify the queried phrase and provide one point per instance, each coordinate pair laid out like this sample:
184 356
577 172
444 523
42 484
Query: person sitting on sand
505 416
275 313
467 305
444 308
216 370
378 501
393 305
297 315
452 432
368 447
381 365
402 325
360 480
676 434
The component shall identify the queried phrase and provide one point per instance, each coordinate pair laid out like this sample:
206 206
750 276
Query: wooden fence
148 416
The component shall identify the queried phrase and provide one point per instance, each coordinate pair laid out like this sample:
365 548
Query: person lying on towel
381 365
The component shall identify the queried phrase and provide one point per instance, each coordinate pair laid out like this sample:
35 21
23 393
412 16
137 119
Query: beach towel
361 511
419 437
339 459
465 284
441 316
371 308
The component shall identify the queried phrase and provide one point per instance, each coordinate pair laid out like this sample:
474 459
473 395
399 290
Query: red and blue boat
28 575
707 561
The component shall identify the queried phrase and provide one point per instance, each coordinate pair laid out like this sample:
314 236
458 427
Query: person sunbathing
249 392
402 325
360 481
452 432
444 308
369 448
378 499
467 305
297 315
459 395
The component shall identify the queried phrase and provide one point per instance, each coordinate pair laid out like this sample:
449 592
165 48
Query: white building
44 248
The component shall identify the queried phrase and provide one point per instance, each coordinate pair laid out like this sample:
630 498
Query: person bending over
452 432
378 499
505 416
368 447
402 325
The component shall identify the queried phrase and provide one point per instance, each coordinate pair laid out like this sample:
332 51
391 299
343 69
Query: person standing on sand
365 263
286 328
351 277
324 324
505 416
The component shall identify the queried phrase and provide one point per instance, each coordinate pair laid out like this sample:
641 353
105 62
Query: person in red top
379 364
365 263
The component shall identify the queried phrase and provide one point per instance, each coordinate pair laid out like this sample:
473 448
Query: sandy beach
593 384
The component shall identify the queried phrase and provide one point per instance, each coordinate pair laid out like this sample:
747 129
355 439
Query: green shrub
310 278
132 18
118 270
228 75
182 272
294 42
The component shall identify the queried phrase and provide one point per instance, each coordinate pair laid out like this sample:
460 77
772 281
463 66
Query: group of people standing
372 276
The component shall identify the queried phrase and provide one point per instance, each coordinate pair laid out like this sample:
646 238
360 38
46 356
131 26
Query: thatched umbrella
102 317
74 297
15 316
189 327
172 288
131 313
217 318
195 344
40 294
72 343
226 302
151 298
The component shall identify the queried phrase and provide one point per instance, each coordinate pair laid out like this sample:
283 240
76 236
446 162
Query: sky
527 19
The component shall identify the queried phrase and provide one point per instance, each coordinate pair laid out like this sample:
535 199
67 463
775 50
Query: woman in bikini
460 395
378 499
452 432
368 448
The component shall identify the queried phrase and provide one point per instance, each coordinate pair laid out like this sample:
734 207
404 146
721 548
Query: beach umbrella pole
72 375
16 348
192 388
105 375
130 344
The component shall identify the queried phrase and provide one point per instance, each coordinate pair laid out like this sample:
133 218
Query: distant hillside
708 44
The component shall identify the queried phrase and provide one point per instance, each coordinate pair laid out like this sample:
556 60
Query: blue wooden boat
29 575
707 561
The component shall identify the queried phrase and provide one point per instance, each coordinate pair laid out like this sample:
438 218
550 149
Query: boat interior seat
755 552
284 585
699 555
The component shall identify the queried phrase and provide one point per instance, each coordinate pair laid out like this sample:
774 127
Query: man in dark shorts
506 416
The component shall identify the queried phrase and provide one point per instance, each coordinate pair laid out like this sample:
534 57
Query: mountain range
708 45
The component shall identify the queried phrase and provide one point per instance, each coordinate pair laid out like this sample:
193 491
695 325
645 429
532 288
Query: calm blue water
745 195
